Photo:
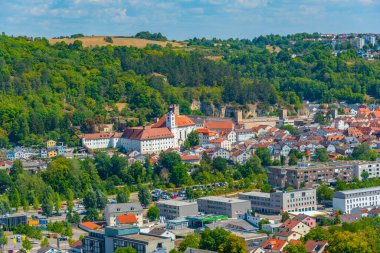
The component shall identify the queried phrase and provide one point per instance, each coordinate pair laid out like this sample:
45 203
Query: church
170 131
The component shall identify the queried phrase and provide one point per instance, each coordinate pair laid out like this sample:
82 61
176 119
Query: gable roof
157 231
274 244
219 125
147 133
180 121
314 246
90 225
127 218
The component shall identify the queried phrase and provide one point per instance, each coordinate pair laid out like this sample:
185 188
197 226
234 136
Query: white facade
180 132
147 146
100 140
348 200
373 169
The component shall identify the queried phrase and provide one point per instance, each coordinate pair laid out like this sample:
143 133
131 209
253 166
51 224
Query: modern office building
172 209
309 174
277 202
223 206
111 238
364 197
12 221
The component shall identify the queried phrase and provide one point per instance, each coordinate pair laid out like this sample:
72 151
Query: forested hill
44 88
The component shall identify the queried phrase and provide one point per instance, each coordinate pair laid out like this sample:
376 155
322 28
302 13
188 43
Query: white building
112 211
147 140
364 197
244 134
179 125
372 168
101 140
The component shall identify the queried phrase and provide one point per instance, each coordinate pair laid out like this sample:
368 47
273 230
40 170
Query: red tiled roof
147 133
219 125
101 136
189 157
274 244
127 218
90 225
290 223
219 140
76 244
180 121
311 245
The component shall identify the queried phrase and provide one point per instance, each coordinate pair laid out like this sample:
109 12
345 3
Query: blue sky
183 19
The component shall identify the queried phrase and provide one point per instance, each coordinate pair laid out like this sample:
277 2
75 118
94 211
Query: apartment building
350 199
171 209
277 202
372 168
223 206
309 174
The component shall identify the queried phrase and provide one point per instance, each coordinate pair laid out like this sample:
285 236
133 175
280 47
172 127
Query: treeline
45 88
151 36
70 178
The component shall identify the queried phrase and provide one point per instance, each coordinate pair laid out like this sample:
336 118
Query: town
291 178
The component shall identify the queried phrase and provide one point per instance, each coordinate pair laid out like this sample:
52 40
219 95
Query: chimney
176 109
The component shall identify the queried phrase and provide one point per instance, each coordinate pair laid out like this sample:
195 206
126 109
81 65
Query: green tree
90 200
123 195
70 200
44 242
321 155
364 175
144 195
264 155
47 205
291 129
91 215
293 160
363 152
285 216
212 239
324 193
178 175
298 247
125 250
190 241
3 238
57 203
26 244
4 207
14 197
350 242
5 181
16 169
192 140
169 160
233 244
153 213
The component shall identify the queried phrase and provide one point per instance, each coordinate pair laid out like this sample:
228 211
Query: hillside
93 41
45 88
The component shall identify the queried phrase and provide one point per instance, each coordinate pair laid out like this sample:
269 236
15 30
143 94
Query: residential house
273 245
112 211
162 232
51 144
316 246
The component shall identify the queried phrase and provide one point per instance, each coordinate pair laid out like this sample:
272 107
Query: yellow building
52 153
51 143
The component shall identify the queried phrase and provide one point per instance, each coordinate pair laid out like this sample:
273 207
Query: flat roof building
364 197
223 206
309 174
172 209
277 202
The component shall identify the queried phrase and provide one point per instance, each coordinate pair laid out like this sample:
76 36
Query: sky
184 19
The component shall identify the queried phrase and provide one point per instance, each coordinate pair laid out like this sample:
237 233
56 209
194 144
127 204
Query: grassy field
117 41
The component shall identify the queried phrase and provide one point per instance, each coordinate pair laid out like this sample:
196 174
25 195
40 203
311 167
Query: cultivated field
117 41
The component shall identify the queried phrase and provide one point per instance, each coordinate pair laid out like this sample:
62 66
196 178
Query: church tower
170 118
